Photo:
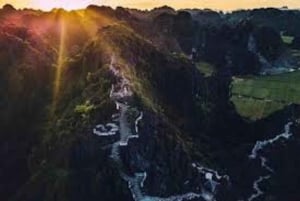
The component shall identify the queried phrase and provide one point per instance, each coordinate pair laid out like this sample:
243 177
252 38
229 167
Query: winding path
255 154
121 93
121 124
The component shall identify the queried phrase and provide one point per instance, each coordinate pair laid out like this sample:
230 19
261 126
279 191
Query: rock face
223 45
100 110
207 17
269 42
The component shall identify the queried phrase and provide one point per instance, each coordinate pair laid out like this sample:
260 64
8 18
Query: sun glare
59 65
65 4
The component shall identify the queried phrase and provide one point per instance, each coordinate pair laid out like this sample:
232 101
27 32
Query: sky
148 4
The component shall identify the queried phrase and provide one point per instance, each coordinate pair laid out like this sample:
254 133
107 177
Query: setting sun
66 4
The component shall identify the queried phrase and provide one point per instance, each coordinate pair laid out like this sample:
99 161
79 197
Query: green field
287 39
257 97
205 68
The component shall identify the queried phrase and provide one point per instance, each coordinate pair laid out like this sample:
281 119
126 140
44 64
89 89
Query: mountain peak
8 7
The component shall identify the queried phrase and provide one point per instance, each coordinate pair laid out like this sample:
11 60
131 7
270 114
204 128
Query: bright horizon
225 5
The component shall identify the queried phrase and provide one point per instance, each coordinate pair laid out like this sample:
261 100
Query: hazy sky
146 4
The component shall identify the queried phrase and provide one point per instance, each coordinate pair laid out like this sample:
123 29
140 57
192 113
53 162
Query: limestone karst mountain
121 104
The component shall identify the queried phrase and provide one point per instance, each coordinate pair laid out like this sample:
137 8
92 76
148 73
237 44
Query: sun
65 4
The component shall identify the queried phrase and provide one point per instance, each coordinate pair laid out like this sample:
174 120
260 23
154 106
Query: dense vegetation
55 84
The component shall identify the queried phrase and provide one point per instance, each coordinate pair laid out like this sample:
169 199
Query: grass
257 97
205 68
255 109
84 108
287 39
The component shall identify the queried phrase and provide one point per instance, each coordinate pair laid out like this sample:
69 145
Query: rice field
258 96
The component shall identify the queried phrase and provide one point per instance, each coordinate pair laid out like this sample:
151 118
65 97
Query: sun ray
59 64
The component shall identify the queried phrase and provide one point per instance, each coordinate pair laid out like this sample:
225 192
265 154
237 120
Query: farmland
256 97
